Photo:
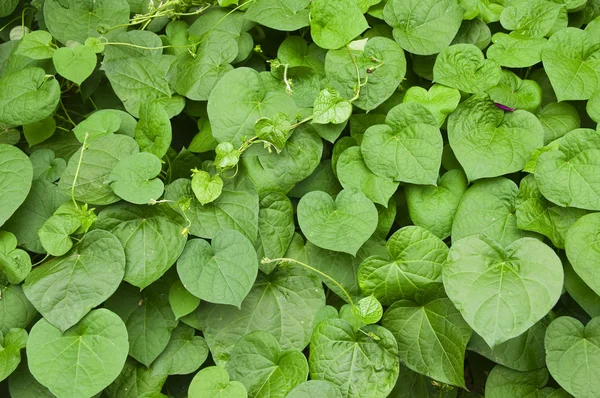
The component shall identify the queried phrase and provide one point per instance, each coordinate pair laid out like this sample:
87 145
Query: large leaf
432 336
66 288
502 292
16 174
283 303
346 357
220 272
504 382
408 147
258 362
573 354
583 249
82 361
286 15
15 309
414 259
326 221
152 236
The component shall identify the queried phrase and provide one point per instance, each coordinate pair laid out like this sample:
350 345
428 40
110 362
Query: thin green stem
67 114
291 260
308 119
288 86
42 260
83 148
223 18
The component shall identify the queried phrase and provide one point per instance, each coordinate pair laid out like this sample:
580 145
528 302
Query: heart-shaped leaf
220 272
464 67
430 323
326 222
207 188
286 15
414 259
36 45
433 208
330 107
532 18
566 173
558 118
275 130
343 356
16 175
153 131
333 24
505 382
583 249
75 64
213 382
572 63
512 92
353 173
82 361
15 263
573 355
105 122
408 147
315 389
489 142
66 288
184 354
258 362
502 292
515 51
423 27
134 178
439 100
11 344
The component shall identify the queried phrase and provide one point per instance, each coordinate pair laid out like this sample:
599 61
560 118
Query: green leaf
226 156
515 50
75 64
233 117
275 228
531 18
153 131
333 24
66 288
148 318
22 384
10 354
15 309
353 173
182 301
97 162
505 382
16 174
423 27
134 178
330 107
40 131
27 96
346 358
572 354
46 165
81 361
7 7
430 323
535 213
237 208
205 187
279 172
220 272
439 100
380 64
369 310
572 63
15 264
286 15
77 20
105 122
558 118
55 234
258 362
315 389
489 142
152 236
135 381
408 147
212 382
515 93
195 75
184 354
583 250
488 208
270 306
580 291
36 45
324 220
464 67
502 292
525 352
433 208
414 259
566 175
275 130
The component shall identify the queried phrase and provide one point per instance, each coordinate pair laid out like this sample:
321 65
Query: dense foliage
299 198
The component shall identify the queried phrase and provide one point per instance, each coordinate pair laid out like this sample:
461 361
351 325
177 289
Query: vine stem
308 119
83 148
291 260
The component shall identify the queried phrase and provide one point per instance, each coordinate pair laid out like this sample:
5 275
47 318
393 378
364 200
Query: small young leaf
330 107
134 178
75 64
